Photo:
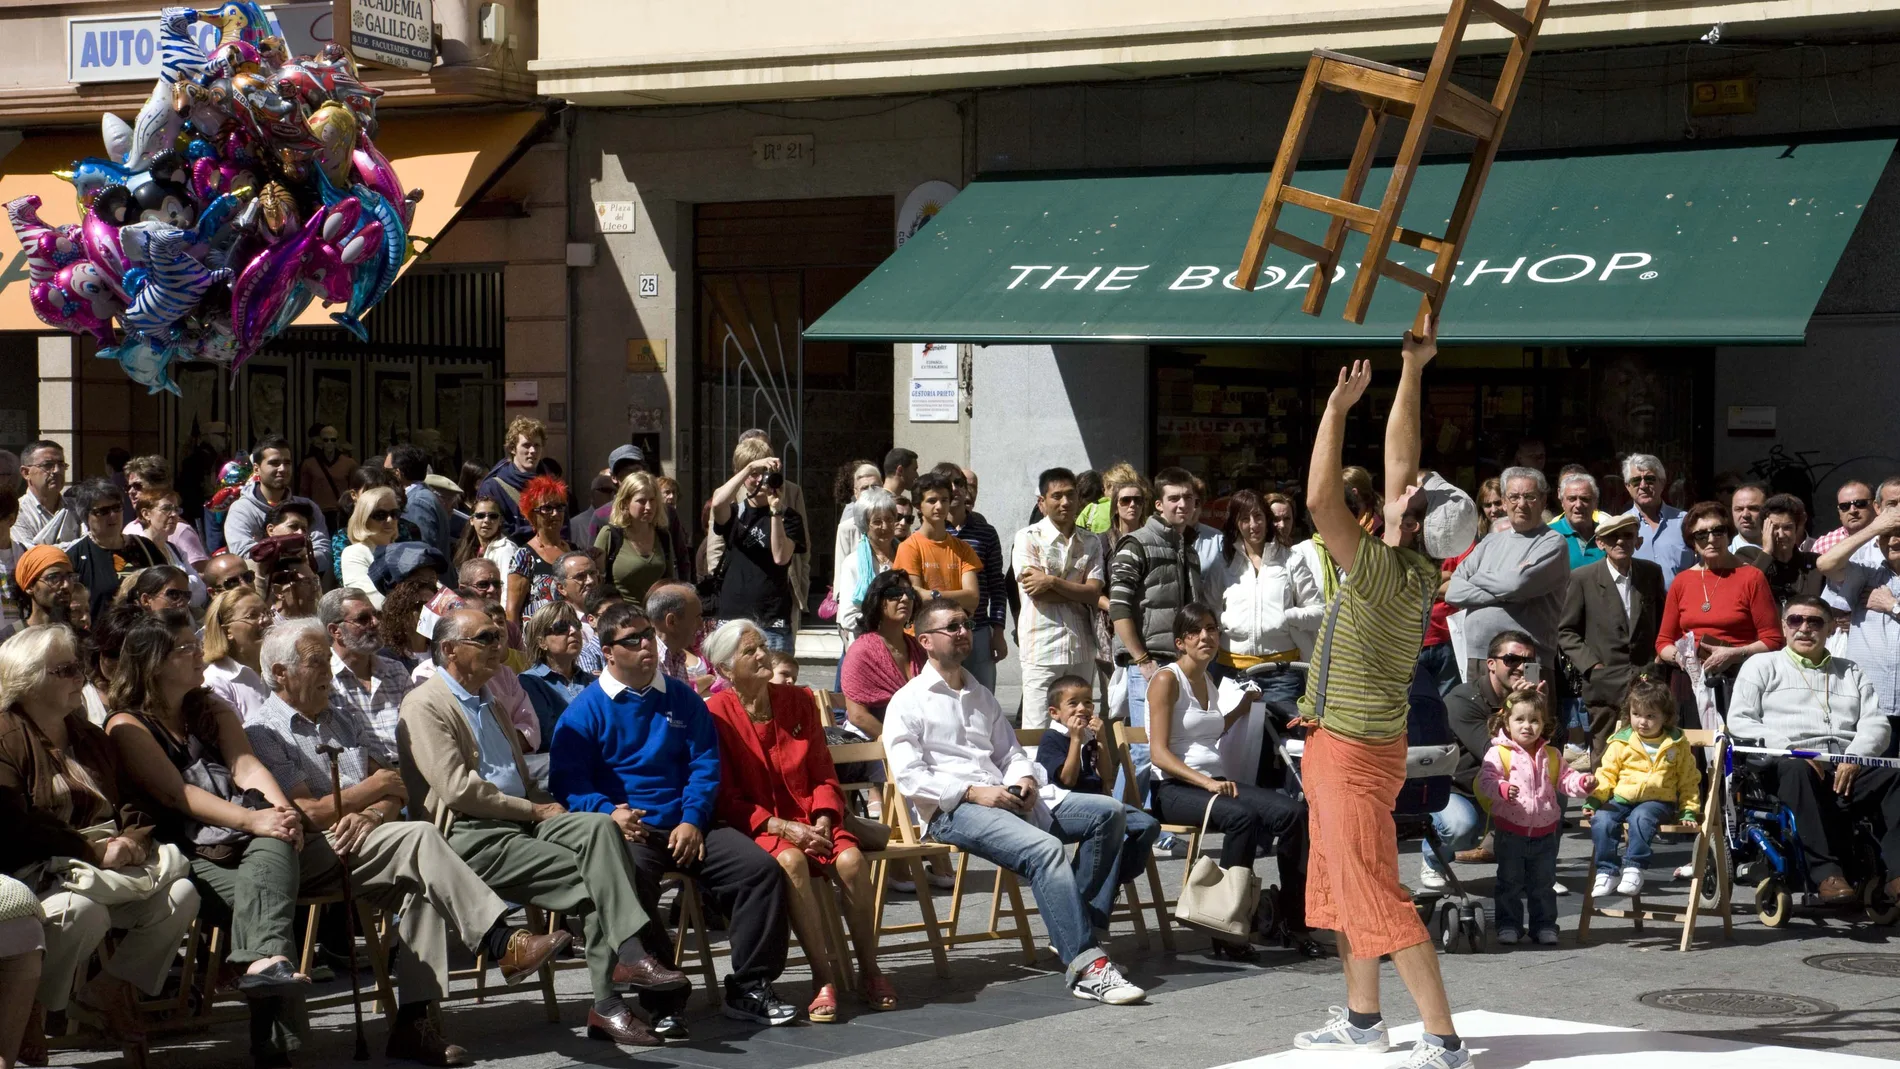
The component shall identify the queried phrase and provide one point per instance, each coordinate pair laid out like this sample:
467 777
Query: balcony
633 52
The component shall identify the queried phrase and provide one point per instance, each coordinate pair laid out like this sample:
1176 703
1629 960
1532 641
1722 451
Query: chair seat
901 852
1398 88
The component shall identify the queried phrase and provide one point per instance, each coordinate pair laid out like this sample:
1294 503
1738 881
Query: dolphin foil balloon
48 248
271 280
144 362
378 271
175 282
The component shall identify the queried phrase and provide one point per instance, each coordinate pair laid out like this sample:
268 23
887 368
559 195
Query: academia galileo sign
398 33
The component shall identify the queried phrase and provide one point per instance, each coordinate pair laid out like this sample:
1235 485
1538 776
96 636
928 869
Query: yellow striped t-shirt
1369 642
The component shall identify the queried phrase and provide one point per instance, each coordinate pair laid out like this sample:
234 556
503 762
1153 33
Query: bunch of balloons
249 185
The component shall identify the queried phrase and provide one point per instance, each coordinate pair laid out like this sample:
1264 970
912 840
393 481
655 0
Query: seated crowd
462 712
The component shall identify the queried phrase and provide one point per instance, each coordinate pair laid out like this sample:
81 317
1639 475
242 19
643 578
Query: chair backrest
1698 736
1126 735
896 808
1029 738
1522 26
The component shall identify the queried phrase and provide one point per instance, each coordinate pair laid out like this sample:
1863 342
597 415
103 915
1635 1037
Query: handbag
115 887
1219 899
828 608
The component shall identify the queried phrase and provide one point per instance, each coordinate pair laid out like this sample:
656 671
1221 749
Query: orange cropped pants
1352 880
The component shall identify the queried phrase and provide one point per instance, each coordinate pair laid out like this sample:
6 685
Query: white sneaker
1547 937
1431 1056
1685 872
1603 886
1339 1034
1631 883
1102 982
1560 888
1508 937
1430 878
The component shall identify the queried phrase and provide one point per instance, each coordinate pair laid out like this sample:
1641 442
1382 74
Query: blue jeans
1074 900
1439 662
1137 718
781 639
1139 832
979 663
1459 825
1527 869
1643 818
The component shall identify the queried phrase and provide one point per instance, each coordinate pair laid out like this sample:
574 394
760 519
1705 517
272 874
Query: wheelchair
1460 922
1761 848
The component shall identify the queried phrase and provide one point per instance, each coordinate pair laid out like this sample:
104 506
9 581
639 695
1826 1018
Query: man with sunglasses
1801 698
1612 611
643 750
45 575
462 767
43 518
1854 501
226 571
365 684
479 577
1863 576
1659 530
954 756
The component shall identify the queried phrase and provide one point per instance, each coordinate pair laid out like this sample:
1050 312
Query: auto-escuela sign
124 48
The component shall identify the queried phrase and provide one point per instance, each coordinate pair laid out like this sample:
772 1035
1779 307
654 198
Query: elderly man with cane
399 865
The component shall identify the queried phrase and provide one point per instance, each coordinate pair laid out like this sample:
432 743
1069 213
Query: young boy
784 667
1072 754
940 564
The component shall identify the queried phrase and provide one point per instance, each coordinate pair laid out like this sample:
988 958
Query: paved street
993 1011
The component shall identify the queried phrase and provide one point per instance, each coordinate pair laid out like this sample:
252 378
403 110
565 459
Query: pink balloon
79 299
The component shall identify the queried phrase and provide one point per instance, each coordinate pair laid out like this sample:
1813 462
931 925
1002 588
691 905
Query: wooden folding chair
907 851
1711 843
368 923
1126 736
1425 101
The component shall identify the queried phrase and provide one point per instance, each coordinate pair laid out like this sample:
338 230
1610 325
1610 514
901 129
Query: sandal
877 992
824 1006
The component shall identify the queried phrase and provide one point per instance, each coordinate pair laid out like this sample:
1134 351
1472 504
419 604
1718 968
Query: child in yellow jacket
1648 778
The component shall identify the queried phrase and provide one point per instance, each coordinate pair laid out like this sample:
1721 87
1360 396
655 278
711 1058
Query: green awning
1719 245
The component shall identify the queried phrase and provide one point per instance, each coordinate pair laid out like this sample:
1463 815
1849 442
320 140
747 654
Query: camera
772 480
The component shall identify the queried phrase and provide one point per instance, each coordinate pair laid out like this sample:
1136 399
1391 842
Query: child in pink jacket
1521 775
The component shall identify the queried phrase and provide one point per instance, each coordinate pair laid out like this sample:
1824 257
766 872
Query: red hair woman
535 578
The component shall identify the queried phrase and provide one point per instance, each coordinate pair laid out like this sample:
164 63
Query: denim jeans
1074 900
1139 832
1137 718
780 638
1643 817
1527 869
979 663
1459 825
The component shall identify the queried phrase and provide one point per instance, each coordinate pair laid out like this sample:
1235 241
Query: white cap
1451 519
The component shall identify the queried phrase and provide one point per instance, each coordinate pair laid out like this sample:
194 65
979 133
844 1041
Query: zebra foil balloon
248 187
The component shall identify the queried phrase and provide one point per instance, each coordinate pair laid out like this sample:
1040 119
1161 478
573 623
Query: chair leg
550 1004
1589 902
1160 899
1695 892
996 902
1349 191
1292 143
956 891
933 931
366 917
1132 889
707 971
1022 921
185 970
214 961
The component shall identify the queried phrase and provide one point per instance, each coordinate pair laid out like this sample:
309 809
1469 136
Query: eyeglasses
55 578
1641 480
1711 534
229 584
1857 503
485 584
897 593
1513 660
958 628
1130 499
175 596
49 469
1523 499
255 619
69 670
383 515
549 510
1805 623
480 516
103 511
632 640
192 648
487 640
563 627
367 619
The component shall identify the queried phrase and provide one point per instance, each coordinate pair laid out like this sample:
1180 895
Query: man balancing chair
1424 101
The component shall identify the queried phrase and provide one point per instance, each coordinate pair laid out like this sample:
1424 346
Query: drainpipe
569 122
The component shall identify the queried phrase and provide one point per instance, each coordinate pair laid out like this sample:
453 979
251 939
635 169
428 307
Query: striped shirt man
1369 642
992 605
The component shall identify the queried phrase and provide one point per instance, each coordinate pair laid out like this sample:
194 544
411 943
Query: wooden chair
368 922
1126 736
907 851
1424 101
692 924
1710 842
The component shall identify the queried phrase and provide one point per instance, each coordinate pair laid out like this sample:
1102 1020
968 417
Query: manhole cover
1724 1003
1887 965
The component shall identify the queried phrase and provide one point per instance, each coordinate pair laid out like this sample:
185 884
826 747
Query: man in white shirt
43 518
367 685
954 756
1061 574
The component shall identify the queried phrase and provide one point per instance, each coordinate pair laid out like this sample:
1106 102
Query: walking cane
334 751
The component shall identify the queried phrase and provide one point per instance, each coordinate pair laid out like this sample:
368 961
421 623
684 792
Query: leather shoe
648 974
418 1041
622 1028
1482 854
527 953
1836 891
671 1026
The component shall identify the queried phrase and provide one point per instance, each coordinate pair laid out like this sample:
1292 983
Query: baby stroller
1459 921
1764 847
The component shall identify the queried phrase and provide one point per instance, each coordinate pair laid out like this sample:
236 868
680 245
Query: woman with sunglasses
152 589
534 576
884 656
233 636
242 842
553 638
1130 501
486 534
372 527
158 520
106 553
61 795
1725 602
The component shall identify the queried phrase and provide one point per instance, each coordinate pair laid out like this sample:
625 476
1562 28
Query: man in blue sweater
643 749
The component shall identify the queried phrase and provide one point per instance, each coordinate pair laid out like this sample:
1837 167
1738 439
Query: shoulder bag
1219 899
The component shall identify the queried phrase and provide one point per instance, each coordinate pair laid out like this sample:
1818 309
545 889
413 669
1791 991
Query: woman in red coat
777 784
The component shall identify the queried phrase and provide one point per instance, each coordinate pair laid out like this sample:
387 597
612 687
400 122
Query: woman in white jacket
875 515
1270 600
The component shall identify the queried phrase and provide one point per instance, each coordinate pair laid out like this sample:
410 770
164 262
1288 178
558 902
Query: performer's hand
1351 385
1421 349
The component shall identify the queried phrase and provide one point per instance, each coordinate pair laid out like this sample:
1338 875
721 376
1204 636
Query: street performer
1355 709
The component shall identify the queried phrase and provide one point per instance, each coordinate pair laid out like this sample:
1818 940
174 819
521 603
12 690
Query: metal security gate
758 370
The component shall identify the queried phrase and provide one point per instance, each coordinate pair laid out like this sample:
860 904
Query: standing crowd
467 695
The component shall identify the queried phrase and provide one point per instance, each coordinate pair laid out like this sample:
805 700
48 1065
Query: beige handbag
1218 899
